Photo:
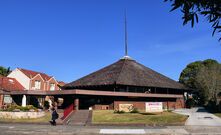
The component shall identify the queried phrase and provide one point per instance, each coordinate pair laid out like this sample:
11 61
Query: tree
4 71
205 77
191 9
208 80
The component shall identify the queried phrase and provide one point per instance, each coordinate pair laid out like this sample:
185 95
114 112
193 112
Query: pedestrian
54 116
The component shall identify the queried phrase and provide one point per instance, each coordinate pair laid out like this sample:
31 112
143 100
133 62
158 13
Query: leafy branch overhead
191 9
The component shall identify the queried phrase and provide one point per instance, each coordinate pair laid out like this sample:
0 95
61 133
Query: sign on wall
154 107
126 107
7 99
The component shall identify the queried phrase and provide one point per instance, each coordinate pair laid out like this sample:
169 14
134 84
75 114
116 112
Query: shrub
17 108
46 105
119 112
211 106
190 103
135 110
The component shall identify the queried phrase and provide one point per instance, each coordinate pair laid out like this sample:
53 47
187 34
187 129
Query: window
37 85
52 86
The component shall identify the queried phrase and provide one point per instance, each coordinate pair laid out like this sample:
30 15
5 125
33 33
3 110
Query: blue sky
72 38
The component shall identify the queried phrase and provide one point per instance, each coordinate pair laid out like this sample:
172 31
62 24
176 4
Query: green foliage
119 112
135 110
20 108
211 106
191 9
205 78
190 103
4 71
188 75
46 105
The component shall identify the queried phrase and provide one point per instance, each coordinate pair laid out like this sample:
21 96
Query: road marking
7 127
122 131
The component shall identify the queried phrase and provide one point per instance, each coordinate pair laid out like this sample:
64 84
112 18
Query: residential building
32 80
8 84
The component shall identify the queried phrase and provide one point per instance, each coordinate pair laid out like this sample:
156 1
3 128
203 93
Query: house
32 80
9 84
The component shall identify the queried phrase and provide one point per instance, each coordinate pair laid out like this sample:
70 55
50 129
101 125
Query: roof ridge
36 72
121 69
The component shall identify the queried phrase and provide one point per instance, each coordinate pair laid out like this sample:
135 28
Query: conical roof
126 72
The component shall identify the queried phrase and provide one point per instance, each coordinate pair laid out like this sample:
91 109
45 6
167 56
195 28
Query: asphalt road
33 129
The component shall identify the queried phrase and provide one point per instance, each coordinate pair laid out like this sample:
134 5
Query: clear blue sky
71 38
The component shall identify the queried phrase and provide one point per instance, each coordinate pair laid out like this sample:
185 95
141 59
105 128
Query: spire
125 29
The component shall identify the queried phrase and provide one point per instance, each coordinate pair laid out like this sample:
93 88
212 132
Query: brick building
32 80
126 82
9 84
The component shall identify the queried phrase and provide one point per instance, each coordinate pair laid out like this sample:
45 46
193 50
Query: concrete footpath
32 129
199 117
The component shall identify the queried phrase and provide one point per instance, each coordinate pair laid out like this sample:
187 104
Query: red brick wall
179 103
38 78
138 105
174 105
52 81
101 107
1 100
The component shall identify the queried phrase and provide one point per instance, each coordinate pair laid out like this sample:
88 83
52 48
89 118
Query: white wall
21 78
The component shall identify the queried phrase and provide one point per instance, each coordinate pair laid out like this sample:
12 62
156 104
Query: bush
20 108
119 112
135 110
190 103
212 107
46 105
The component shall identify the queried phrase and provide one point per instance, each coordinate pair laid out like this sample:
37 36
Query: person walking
54 116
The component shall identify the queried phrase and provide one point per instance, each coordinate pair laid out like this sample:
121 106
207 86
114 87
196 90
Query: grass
43 119
218 114
165 118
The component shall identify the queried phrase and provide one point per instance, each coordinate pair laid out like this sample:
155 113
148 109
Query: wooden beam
89 92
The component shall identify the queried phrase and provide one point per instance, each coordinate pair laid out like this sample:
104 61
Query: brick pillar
1 101
76 103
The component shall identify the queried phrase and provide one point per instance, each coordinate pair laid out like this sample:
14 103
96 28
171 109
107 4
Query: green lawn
218 114
109 117
44 119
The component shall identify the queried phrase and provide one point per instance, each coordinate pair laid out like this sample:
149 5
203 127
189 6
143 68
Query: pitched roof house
32 80
7 83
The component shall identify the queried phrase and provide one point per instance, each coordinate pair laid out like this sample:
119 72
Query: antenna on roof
125 29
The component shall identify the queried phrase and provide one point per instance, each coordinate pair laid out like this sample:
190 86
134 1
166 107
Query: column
24 101
76 103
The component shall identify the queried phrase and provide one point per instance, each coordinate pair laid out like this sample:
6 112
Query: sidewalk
17 129
199 117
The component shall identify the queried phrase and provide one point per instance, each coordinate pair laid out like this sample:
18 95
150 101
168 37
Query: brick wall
38 78
178 103
1 100
52 80
138 105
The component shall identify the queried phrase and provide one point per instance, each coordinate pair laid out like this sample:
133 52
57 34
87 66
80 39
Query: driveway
199 117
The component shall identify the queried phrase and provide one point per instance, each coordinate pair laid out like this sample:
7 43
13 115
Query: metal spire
125 21
125 30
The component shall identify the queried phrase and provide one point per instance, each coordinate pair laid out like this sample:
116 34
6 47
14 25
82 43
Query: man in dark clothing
54 116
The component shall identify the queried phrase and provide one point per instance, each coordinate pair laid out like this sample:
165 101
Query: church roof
126 71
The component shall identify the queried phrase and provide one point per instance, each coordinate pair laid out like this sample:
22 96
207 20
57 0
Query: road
33 129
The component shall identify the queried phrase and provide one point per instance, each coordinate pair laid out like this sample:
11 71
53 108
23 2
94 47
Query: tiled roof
8 83
32 74
61 83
